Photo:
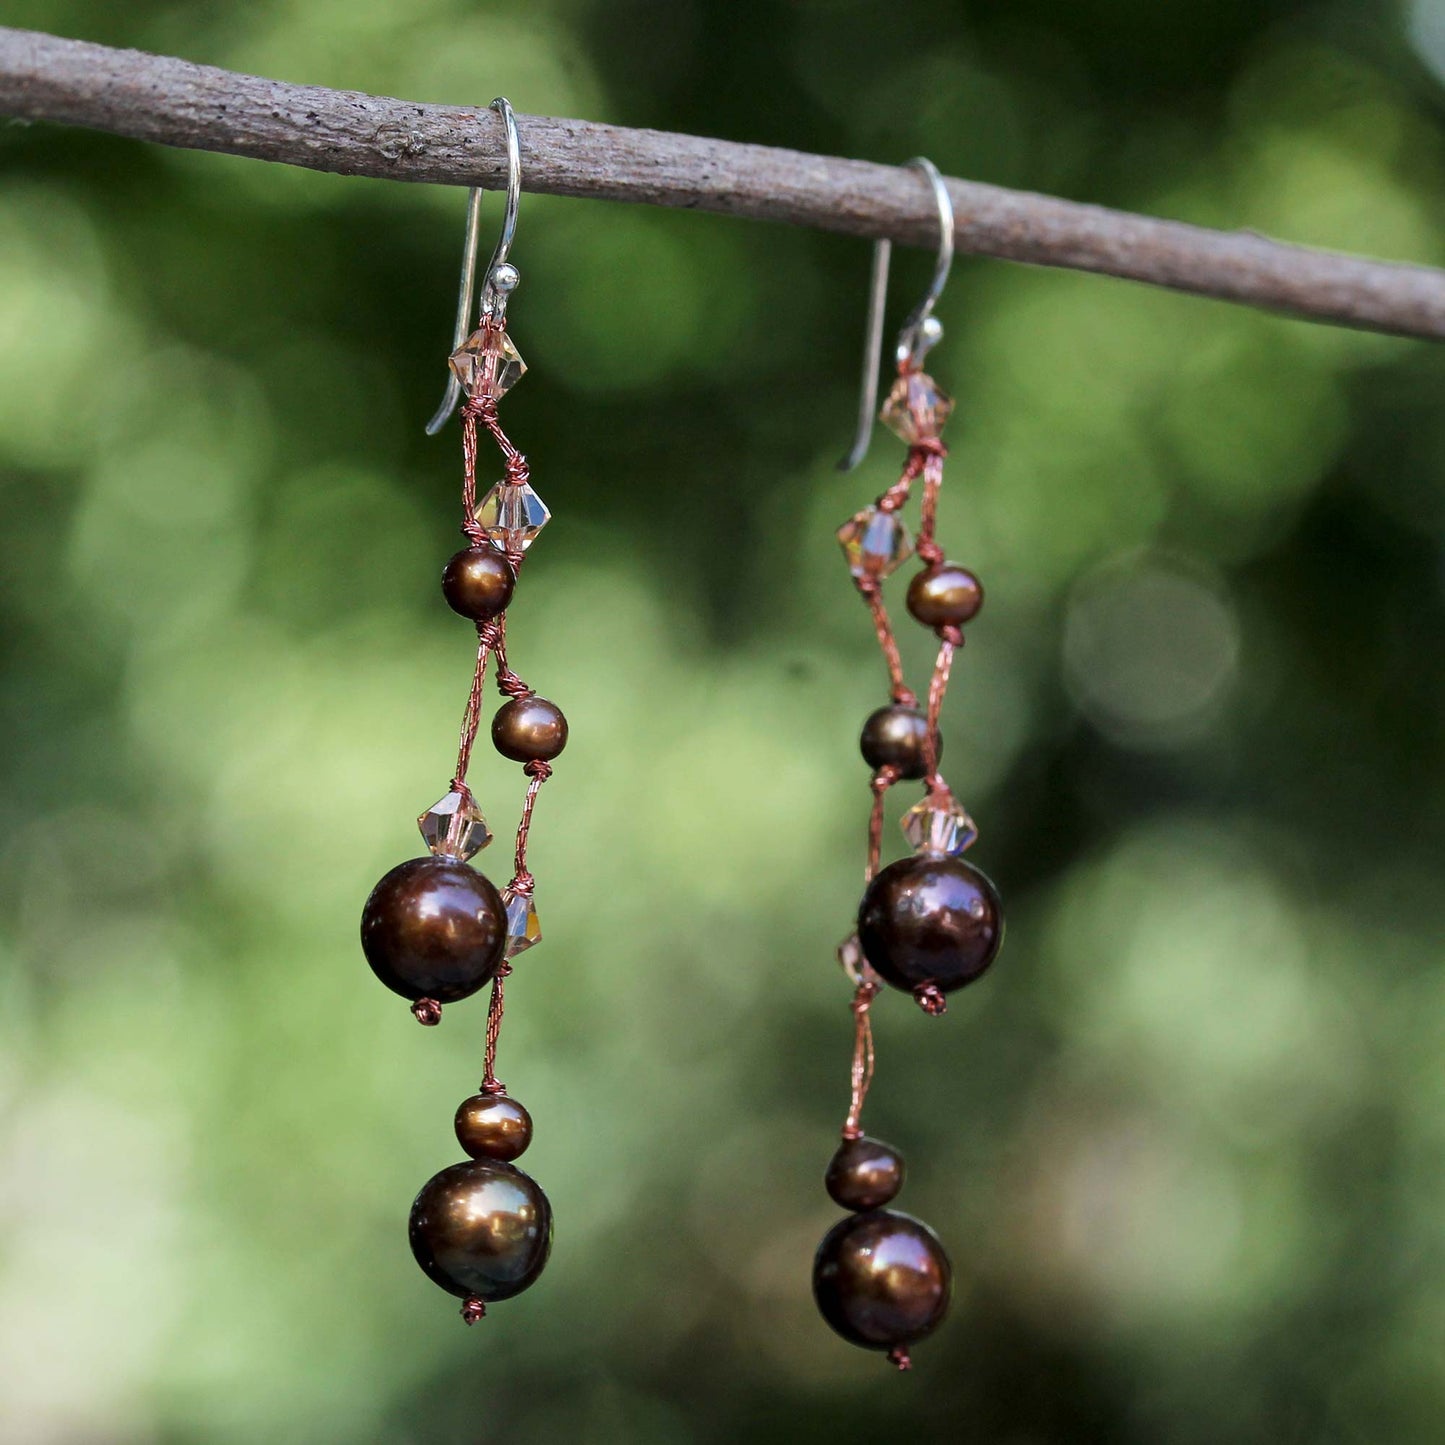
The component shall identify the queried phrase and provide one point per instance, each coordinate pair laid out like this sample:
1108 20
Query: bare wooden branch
174 102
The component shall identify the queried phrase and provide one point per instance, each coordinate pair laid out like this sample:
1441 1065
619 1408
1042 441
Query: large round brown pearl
529 730
897 737
882 1279
478 583
492 1126
930 919
945 596
434 928
864 1174
481 1229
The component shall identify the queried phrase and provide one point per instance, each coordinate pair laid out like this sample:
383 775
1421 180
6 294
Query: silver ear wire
921 331
502 277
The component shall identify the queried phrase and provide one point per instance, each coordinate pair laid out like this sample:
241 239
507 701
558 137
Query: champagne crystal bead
875 543
486 363
939 825
523 926
916 408
453 827
851 960
512 515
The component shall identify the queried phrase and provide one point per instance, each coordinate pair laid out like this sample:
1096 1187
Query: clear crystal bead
523 926
875 543
486 363
854 964
512 514
916 408
939 825
453 827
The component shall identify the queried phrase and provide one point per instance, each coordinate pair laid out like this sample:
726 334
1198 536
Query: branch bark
176 103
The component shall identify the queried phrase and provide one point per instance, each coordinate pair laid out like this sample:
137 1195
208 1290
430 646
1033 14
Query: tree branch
174 102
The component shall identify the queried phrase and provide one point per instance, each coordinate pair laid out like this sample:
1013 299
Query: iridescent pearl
882 1279
481 1229
930 919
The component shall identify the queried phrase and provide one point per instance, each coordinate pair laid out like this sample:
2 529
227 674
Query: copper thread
862 1070
427 1011
931 1000
881 781
929 455
925 459
490 1083
491 644
538 772
952 639
471 715
872 592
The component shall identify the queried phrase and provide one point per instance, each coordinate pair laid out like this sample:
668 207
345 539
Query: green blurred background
1186 1144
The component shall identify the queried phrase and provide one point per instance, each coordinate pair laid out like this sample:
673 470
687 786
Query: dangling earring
434 929
929 923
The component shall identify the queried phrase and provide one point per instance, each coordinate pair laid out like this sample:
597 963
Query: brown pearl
478 583
930 919
529 729
882 1279
434 928
492 1126
945 596
864 1174
897 737
481 1229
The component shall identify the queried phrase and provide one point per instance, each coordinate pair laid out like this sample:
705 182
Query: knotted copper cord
952 639
882 780
862 1073
472 714
931 999
928 457
873 596
538 771
491 1084
925 459
491 644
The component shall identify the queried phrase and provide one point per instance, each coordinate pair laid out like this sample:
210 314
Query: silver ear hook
921 331
502 277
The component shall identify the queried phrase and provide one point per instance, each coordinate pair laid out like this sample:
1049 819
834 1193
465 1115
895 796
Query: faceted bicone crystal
939 824
916 408
512 514
875 543
523 927
486 363
453 827
855 966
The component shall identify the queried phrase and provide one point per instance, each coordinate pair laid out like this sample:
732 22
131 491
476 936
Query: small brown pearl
945 596
882 1279
897 736
478 583
492 1126
434 928
864 1174
930 919
529 730
481 1229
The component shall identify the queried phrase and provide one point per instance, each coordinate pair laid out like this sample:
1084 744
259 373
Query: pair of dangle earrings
436 931
931 922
